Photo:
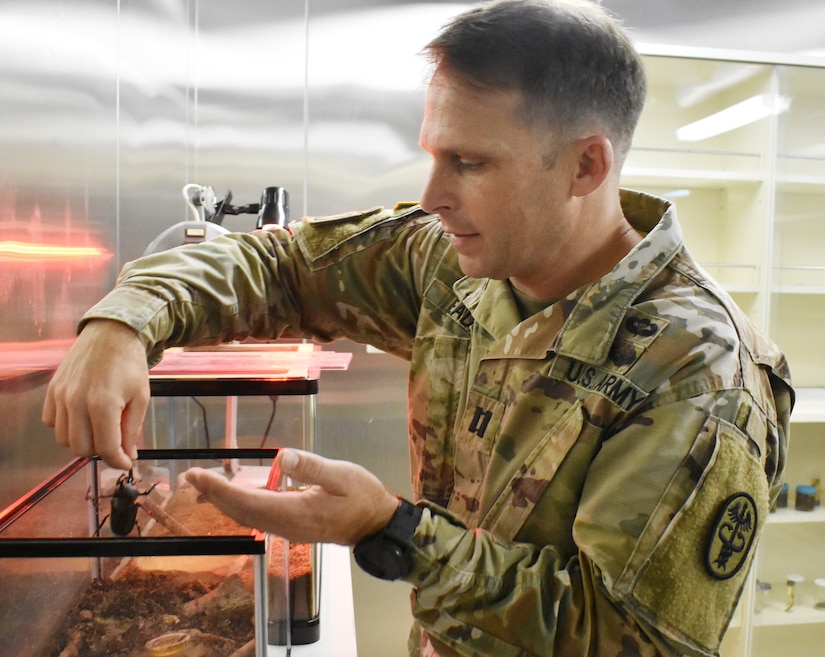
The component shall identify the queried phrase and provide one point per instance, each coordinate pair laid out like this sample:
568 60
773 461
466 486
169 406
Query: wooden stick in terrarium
163 518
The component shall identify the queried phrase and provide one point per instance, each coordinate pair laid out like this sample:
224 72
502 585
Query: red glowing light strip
243 361
34 251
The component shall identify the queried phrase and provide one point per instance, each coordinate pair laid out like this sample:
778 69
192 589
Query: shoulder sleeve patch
695 573
731 536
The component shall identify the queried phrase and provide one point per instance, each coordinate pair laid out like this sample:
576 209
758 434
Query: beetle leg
100 526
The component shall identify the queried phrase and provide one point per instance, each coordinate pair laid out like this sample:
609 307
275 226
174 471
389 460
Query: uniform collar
583 325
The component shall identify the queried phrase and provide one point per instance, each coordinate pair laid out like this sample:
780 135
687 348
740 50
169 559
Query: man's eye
469 165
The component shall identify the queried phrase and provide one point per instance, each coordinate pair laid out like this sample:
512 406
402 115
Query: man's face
503 205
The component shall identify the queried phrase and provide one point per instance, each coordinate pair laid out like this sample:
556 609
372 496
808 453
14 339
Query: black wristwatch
387 553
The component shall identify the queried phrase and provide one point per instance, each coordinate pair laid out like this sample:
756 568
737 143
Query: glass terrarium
97 561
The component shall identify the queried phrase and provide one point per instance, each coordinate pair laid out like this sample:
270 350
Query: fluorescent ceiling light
748 111
677 193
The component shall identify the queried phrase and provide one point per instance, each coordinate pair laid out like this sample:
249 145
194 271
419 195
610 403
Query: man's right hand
99 394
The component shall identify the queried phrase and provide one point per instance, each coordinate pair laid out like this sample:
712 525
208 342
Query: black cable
274 399
205 423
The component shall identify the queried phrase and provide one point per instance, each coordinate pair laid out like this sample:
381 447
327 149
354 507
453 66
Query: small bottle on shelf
791 582
805 498
819 601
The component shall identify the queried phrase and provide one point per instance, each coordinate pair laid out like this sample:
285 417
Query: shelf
801 184
792 516
810 405
686 167
775 615
804 175
688 177
814 290
799 279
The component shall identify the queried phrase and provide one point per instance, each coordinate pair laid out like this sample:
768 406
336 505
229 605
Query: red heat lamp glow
31 252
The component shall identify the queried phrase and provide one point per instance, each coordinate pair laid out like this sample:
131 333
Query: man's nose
435 197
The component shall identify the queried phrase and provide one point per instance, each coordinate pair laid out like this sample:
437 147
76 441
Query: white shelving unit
791 516
810 405
775 614
751 201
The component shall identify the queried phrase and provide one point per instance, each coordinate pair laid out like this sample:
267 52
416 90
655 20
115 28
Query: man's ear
595 164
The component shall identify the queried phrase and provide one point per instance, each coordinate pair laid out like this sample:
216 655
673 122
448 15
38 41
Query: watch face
381 558
388 554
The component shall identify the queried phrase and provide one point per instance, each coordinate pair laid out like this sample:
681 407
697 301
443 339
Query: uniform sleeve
478 595
356 276
655 573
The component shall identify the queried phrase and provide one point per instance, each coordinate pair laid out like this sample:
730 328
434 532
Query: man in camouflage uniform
596 431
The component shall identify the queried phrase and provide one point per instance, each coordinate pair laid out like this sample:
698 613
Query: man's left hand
342 502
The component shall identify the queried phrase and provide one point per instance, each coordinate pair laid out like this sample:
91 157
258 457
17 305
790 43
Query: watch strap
401 527
387 554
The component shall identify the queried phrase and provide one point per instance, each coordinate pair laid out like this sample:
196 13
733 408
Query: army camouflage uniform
614 454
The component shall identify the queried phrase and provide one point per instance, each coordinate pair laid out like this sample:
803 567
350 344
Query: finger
49 411
105 438
257 508
61 431
99 393
131 424
312 469
346 500
77 433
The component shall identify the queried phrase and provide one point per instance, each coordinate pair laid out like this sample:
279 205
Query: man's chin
473 268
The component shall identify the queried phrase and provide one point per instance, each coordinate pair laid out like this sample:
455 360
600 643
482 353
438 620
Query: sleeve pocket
694 555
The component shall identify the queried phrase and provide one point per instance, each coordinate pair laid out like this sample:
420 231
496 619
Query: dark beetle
124 506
